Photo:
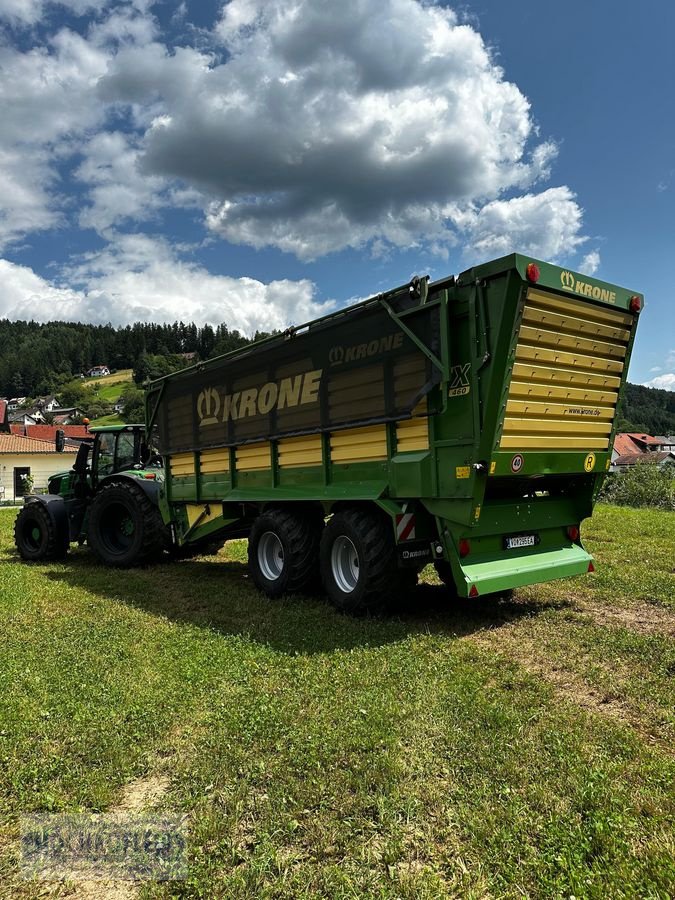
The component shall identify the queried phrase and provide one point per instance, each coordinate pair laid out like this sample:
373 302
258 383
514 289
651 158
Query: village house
631 448
98 372
25 459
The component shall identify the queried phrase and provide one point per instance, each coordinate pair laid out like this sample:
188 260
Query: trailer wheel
358 561
36 536
283 551
125 527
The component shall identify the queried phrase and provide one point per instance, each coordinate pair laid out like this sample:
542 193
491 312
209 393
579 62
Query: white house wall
41 465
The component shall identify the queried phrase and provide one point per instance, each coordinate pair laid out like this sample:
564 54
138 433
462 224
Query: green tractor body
109 498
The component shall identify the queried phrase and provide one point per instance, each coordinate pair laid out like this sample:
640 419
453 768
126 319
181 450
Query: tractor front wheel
125 527
36 536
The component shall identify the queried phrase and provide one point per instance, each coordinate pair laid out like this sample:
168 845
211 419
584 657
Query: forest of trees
649 410
37 359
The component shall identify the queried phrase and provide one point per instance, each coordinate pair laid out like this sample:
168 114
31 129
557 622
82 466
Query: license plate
521 540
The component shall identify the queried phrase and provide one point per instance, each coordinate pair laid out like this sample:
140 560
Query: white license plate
522 540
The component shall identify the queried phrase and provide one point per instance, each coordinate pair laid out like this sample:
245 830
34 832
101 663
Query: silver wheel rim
344 561
270 556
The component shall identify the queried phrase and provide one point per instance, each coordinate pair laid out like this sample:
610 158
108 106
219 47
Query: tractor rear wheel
125 527
358 562
283 551
36 536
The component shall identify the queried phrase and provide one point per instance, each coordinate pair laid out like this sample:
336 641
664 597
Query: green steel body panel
484 361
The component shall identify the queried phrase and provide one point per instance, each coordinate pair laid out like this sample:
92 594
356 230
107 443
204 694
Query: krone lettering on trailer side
296 390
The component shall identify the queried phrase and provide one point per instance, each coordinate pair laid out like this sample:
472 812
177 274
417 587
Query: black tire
283 551
358 562
36 536
125 527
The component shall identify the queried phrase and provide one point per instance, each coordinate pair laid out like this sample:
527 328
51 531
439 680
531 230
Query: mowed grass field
109 387
521 748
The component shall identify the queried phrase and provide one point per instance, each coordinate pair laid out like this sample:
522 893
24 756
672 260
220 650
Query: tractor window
106 454
126 456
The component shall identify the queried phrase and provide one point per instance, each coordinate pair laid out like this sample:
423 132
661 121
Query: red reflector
635 304
150 475
464 547
474 591
532 272
591 567
573 532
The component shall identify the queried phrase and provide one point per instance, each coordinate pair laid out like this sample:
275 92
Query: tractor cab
112 449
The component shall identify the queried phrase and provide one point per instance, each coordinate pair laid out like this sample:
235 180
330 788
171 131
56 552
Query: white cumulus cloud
666 382
138 278
327 126
590 264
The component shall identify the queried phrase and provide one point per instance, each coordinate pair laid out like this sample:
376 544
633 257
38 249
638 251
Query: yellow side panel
552 442
568 305
412 434
545 356
555 426
253 457
359 444
560 340
195 510
560 393
559 322
596 380
213 462
559 410
300 451
182 464
569 359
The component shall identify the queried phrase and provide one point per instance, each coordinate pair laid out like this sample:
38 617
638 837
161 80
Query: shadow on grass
212 593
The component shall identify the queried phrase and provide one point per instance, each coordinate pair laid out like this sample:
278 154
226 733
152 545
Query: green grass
110 386
112 419
483 749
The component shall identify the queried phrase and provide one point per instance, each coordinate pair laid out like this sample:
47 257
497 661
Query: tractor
108 499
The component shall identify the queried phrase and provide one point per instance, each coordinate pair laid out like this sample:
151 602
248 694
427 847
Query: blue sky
262 161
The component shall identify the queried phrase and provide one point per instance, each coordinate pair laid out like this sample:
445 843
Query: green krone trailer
466 422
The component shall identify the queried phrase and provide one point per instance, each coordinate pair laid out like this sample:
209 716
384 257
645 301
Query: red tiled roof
645 438
48 432
16 443
624 443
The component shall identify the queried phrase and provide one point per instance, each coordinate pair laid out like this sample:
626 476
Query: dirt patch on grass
142 793
100 890
643 618
527 651
137 795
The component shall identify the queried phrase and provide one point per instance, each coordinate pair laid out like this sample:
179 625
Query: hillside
647 409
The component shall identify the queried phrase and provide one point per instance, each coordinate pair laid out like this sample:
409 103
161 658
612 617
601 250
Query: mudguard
57 511
149 486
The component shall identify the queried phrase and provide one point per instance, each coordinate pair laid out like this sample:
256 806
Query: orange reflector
591 567
150 475
474 591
